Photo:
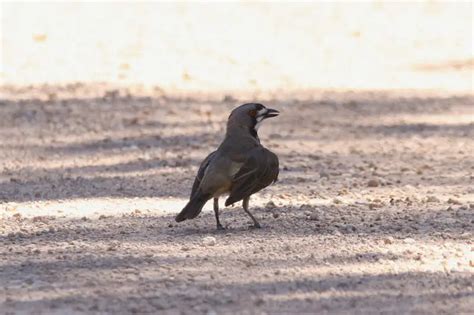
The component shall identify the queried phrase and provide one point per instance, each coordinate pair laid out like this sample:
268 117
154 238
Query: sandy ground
373 212
211 46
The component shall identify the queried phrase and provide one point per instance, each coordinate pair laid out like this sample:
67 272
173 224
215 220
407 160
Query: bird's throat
254 133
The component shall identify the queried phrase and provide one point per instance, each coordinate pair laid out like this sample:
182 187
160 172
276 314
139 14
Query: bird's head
251 116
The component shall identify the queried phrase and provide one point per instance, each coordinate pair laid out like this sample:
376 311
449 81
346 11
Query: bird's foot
220 227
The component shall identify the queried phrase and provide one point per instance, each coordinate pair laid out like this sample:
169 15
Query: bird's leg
216 212
245 204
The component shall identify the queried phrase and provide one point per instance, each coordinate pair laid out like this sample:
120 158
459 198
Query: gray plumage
241 166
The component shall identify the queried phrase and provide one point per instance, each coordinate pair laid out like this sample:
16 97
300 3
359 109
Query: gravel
92 178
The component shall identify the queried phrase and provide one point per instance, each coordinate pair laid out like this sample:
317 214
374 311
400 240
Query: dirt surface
373 212
209 46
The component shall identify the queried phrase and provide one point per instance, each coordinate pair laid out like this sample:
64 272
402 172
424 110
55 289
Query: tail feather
193 208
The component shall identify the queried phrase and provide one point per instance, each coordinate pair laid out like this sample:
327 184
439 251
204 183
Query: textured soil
373 212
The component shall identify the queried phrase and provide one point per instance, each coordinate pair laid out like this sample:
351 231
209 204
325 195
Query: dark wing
259 170
201 171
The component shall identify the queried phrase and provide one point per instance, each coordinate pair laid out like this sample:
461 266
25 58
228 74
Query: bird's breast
224 189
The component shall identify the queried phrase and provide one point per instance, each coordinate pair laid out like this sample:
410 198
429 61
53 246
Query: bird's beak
271 113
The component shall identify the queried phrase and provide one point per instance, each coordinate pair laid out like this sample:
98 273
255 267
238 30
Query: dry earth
373 212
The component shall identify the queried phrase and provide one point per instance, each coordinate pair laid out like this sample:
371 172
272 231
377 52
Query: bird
239 167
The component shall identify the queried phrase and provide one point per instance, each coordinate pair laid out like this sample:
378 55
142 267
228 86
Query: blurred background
240 46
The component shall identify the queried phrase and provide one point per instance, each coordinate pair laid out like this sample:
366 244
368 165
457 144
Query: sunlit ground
241 46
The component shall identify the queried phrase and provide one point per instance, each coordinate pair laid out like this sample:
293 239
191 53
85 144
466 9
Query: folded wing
259 170
201 172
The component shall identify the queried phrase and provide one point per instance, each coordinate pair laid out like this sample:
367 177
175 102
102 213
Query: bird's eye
253 113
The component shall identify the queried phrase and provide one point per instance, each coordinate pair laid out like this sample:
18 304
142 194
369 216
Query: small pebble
112 248
259 301
323 175
432 199
373 183
350 228
270 205
388 240
454 201
209 241
408 240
